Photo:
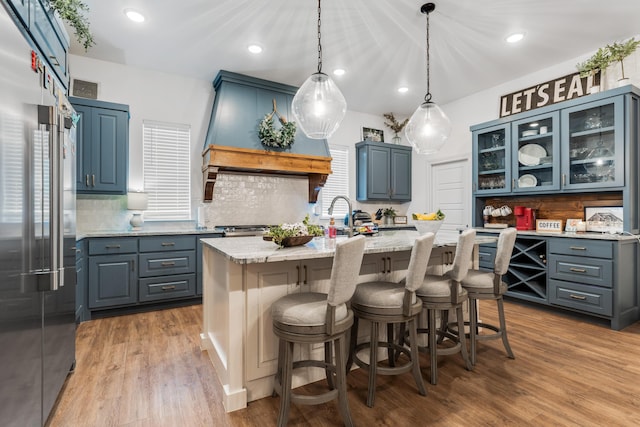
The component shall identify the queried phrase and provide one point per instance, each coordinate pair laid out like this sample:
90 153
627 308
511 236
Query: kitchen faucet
349 215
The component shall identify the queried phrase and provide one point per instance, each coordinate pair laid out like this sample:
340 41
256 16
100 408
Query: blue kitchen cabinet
383 172
46 33
113 280
491 160
102 147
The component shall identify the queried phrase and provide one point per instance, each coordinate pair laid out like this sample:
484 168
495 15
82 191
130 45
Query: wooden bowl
288 242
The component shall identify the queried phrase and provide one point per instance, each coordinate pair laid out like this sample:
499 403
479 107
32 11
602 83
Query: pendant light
429 127
319 106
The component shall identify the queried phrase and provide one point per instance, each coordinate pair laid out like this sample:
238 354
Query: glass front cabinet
492 152
593 145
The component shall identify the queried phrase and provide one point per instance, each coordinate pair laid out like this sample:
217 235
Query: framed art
605 219
370 134
573 224
399 219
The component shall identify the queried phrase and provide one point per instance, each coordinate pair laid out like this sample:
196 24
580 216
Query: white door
451 193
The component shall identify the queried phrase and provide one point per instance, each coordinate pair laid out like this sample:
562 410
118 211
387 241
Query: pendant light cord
427 97
319 42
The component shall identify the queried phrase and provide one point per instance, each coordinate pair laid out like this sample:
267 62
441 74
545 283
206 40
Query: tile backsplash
238 199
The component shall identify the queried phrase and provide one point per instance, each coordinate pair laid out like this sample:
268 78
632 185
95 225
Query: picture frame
371 134
604 219
573 224
399 219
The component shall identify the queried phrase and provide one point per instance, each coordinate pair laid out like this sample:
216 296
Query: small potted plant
395 126
594 65
389 214
619 51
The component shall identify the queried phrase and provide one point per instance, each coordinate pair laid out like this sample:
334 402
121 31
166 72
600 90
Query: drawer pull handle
87 180
112 246
384 265
168 288
168 263
577 248
168 244
298 271
93 180
578 270
578 297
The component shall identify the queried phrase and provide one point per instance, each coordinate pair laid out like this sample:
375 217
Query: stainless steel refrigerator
37 234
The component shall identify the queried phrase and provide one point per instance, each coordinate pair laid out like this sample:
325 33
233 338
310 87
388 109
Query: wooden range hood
219 158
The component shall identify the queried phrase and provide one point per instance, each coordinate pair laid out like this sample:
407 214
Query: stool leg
373 363
277 381
444 325
461 338
473 328
433 345
341 380
503 328
415 356
285 395
390 350
352 343
328 359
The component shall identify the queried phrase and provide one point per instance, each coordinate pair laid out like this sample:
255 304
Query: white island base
243 276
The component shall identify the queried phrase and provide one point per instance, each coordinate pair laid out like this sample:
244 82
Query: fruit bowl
426 226
288 242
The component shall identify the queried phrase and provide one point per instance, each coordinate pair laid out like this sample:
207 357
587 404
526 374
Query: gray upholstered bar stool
389 303
445 293
489 286
313 317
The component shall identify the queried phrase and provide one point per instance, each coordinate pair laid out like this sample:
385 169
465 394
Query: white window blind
167 169
337 184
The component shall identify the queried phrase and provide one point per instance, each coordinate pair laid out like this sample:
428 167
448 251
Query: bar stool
313 317
389 303
482 285
444 293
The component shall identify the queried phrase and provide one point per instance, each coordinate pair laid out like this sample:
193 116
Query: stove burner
243 230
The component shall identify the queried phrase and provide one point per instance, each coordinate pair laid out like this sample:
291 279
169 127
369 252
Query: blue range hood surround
232 141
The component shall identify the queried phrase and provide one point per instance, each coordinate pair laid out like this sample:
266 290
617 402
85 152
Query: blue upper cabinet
240 105
491 157
46 34
383 172
103 147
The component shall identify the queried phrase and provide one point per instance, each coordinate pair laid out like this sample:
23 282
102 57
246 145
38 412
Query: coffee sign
562 89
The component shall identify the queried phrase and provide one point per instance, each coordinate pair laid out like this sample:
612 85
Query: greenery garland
281 138
72 11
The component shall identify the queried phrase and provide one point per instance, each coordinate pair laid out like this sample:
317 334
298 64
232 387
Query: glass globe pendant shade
428 128
319 106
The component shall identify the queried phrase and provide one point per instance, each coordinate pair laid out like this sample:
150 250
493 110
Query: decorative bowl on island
428 226
288 242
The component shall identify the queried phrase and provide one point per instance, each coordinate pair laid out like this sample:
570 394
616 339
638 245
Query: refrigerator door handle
48 115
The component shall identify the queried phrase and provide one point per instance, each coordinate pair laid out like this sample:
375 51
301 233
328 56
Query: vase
396 140
388 220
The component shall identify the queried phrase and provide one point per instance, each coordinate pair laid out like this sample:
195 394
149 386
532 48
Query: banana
433 216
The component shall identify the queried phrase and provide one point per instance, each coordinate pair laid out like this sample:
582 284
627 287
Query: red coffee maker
525 218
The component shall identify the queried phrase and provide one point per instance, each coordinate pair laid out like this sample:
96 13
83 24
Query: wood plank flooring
146 370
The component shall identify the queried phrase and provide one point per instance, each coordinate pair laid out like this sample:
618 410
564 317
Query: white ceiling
380 43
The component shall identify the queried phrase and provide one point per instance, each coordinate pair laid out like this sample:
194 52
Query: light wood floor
147 370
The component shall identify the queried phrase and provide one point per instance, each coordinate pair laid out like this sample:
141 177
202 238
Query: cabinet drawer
581 247
487 257
166 263
116 245
159 288
581 297
591 271
167 243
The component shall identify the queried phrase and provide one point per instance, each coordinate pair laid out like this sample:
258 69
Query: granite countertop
570 234
144 232
250 250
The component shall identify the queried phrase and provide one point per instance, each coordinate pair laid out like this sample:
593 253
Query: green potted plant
72 12
395 126
594 65
619 51
389 214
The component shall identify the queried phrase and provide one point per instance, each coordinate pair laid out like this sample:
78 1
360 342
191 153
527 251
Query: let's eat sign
562 89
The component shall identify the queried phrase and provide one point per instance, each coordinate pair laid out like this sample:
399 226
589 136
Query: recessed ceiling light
338 72
254 48
134 15
403 89
515 37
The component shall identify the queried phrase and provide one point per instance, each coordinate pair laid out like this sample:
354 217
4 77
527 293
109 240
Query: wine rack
527 274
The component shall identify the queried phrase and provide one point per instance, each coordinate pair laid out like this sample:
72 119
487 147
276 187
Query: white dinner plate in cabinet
527 180
530 154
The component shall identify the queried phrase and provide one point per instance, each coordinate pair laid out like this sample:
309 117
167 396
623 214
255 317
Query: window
337 183
167 170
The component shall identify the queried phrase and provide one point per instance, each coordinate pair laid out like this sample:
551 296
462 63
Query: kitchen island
243 276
